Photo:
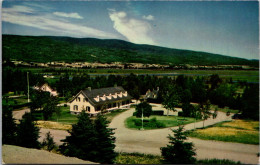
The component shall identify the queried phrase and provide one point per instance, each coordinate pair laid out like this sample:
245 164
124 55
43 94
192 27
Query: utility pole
142 120
28 86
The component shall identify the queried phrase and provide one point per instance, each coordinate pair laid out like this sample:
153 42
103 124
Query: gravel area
150 141
20 155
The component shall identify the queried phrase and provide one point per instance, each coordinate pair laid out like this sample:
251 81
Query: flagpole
28 86
142 120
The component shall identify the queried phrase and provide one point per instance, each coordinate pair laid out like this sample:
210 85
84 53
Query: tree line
180 90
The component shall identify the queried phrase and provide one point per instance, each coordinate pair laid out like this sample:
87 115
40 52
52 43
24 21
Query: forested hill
49 48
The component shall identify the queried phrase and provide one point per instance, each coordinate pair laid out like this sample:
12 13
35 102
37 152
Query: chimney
89 88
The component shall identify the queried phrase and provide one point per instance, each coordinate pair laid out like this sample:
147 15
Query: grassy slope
240 131
45 49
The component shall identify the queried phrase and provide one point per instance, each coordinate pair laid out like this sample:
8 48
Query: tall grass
240 131
138 158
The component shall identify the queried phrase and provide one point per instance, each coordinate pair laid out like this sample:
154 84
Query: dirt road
150 141
19 113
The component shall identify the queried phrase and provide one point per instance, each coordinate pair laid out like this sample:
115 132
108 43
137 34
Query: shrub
217 161
180 113
152 123
159 113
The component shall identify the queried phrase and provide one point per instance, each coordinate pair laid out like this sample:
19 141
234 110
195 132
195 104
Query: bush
159 113
152 123
134 114
217 161
180 113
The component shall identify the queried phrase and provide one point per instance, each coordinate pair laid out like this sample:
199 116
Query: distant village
119 65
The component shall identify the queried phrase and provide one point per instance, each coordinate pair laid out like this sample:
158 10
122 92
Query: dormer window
78 99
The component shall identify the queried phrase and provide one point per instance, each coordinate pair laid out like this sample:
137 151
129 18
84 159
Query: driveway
18 114
150 141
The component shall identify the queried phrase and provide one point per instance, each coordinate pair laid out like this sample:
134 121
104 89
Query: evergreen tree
48 142
179 151
105 141
82 142
9 126
28 133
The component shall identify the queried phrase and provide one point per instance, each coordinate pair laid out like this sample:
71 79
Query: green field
239 131
236 75
18 101
168 121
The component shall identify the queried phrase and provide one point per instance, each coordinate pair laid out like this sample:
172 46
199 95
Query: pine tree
179 151
82 142
48 142
9 126
105 141
27 132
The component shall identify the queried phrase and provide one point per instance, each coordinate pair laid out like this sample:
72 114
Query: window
75 107
78 99
88 108
85 100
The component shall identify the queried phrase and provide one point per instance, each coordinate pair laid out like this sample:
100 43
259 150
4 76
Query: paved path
18 114
150 141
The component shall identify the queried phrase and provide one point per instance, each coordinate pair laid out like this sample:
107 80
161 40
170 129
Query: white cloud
148 17
26 16
21 9
68 15
137 31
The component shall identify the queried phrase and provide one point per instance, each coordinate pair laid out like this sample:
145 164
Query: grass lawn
15 101
240 131
65 120
137 158
168 121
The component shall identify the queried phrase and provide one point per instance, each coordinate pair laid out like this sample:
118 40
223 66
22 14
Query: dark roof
91 94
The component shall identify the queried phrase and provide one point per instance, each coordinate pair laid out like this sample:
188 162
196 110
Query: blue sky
228 28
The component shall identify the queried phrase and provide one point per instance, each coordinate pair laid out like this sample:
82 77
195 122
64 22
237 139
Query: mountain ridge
69 49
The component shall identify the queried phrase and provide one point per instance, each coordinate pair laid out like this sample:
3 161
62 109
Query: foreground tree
48 142
105 141
9 127
179 151
82 142
144 108
28 132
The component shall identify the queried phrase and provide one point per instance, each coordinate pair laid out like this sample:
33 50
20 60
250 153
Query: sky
222 27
